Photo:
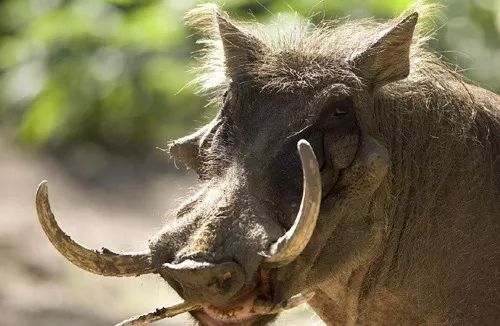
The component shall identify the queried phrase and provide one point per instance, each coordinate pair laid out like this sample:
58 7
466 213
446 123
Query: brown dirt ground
38 287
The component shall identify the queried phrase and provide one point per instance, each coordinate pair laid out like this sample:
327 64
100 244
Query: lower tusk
159 314
268 308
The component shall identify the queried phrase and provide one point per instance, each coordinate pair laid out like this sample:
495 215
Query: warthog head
286 131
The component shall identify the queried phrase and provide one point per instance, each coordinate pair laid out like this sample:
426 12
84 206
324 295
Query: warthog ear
386 58
241 49
186 149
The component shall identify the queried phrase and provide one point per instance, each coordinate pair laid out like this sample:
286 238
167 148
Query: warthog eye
337 114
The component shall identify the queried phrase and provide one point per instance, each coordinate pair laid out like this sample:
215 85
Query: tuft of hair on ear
211 77
202 18
429 17
230 50
427 12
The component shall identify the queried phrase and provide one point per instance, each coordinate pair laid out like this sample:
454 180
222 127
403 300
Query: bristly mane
301 55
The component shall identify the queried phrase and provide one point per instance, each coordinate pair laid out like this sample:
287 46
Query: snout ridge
206 282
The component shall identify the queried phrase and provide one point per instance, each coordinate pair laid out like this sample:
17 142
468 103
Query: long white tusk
293 242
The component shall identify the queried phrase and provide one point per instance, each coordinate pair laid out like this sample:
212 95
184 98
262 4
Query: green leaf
42 120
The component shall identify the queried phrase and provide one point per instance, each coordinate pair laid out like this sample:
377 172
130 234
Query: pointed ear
241 49
386 58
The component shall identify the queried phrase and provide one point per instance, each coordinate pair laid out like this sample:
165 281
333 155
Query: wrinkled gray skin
251 186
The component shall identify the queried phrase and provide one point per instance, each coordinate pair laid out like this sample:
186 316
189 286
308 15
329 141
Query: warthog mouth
246 311
213 316
239 313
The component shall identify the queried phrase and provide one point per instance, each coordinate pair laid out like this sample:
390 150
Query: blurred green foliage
114 72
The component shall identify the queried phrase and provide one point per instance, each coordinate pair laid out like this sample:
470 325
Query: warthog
347 167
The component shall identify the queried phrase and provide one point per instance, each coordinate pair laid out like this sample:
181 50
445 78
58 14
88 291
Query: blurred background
90 92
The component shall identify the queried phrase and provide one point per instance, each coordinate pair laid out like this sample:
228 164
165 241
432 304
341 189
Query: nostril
205 281
225 281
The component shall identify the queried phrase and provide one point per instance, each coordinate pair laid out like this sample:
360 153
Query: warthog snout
206 282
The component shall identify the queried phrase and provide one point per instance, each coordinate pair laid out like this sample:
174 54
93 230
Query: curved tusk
102 262
293 242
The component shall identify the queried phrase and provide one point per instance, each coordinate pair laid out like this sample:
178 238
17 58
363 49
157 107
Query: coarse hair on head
298 54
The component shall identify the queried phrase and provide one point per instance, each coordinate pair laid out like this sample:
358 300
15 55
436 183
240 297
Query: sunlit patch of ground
38 287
